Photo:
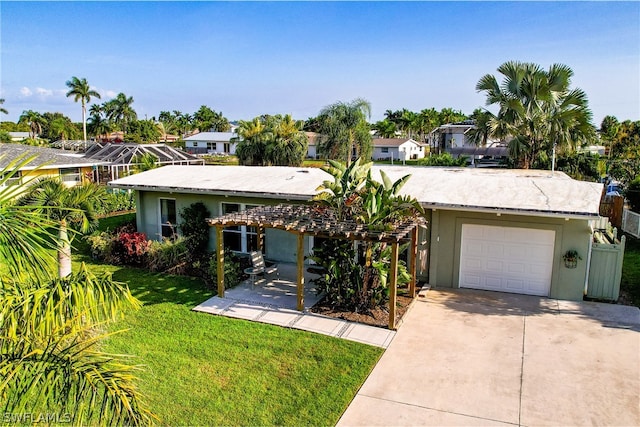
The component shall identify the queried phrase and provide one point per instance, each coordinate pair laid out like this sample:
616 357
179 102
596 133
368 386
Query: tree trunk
64 251
84 121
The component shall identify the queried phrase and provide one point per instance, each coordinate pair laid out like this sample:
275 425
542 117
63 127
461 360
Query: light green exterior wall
445 240
280 244
438 243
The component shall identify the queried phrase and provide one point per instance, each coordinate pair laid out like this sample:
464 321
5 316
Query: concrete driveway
469 357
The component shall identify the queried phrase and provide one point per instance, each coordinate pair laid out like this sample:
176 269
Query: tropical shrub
444 159
116 201
356 275
195 229
130 248
101 245
169 256
232 270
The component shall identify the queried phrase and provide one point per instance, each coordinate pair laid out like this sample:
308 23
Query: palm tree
345 131
144 162
120 111
288 147
81 91
23 244
482 131
98 124
48 354
34 120
385 128
537 109
251 139
68 208
2 109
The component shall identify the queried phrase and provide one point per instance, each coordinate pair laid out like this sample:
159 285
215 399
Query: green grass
631 270
200 369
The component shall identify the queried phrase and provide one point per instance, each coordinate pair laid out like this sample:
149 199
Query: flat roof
276 182
524 192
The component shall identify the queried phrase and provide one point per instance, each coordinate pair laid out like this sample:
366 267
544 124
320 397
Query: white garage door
506 259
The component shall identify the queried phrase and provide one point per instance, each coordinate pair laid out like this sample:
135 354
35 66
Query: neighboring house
500 230
72 168
453 138
19 136
397 149
122 159
211 143
313 138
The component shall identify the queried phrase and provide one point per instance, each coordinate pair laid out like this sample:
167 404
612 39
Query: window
15 179
384 150
167 217
70 175
211 146
227 147
239 238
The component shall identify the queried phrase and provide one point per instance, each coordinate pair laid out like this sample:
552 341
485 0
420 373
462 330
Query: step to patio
264 313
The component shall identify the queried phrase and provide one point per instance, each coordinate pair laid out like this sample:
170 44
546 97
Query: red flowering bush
130 248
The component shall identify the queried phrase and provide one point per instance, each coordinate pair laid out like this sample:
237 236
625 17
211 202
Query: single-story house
501 230
397 149
19 136
312 144
211 143
72 168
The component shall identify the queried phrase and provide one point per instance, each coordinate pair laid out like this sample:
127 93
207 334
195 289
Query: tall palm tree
2 109
81 91
537 108
345 130
68 208
34 120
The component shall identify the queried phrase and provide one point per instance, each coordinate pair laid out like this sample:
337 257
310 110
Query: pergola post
393 285
220 259
300 271
261 239
414 261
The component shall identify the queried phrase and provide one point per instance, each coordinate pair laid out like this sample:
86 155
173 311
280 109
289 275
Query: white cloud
44 92
110 94
25 91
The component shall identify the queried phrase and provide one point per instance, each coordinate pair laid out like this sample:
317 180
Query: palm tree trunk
84 121
64 251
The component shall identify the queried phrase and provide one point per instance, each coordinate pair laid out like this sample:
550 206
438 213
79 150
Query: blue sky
252 58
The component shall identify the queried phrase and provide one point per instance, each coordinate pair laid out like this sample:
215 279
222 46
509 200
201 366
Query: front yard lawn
631 270
201 369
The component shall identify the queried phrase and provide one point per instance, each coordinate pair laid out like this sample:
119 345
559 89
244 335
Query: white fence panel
631 223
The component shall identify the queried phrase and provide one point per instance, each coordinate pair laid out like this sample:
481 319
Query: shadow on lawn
157 288
154 288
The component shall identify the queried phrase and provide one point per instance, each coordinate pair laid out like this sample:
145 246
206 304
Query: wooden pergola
306 220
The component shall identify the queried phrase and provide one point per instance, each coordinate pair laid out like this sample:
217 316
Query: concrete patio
273 300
